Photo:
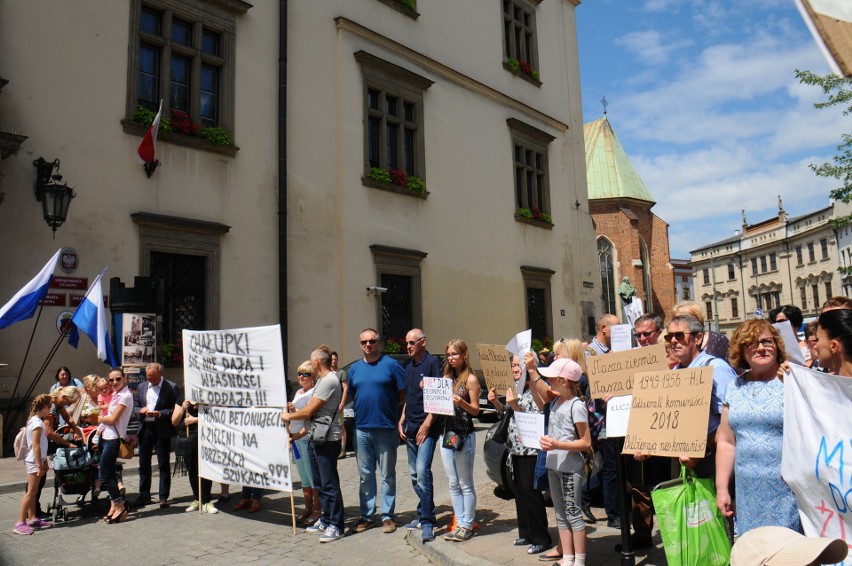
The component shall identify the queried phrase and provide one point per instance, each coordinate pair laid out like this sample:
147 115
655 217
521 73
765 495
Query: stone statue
626 291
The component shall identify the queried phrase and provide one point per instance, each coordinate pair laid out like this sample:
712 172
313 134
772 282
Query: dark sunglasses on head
370 341
680 336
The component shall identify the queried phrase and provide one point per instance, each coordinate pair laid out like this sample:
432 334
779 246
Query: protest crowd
737 458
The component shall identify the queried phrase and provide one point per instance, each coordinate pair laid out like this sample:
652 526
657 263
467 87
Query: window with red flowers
520 51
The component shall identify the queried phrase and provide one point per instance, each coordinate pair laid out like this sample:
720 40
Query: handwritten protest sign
244 446
621 337
531 428
242 367
617 416
496 363
438 395
612 374
817 454
670 412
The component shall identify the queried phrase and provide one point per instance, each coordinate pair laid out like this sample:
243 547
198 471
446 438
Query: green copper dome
609 173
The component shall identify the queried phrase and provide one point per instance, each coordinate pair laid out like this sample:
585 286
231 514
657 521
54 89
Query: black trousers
529 502
192 469
150 441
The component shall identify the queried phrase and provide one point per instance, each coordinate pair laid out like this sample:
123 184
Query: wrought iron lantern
55 196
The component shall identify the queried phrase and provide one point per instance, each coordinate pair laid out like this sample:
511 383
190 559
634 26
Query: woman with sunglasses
750 436
112 428
299 440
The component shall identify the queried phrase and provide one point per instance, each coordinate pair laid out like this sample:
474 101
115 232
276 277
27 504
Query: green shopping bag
692 529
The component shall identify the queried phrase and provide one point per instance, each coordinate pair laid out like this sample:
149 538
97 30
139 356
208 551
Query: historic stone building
632 241
340 165
778 261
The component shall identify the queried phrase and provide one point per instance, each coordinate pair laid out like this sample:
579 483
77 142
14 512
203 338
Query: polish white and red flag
147 150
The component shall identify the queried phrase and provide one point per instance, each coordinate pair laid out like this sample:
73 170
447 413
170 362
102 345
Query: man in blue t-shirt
376 384
415 428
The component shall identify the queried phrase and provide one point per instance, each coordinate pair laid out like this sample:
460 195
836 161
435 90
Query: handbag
183 452
126 449
452 440
501 431
321 427
691 526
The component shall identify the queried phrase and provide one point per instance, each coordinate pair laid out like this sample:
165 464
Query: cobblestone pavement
153 537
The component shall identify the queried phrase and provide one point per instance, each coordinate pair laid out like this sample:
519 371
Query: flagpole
27 352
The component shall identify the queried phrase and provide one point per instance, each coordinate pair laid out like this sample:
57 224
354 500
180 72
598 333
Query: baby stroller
75 471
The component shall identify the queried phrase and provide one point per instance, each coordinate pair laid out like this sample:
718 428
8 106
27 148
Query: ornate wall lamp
54 195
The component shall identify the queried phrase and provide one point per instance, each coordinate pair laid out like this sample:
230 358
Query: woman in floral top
529 501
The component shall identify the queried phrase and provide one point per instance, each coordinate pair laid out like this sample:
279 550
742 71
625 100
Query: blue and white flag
23 304
91 318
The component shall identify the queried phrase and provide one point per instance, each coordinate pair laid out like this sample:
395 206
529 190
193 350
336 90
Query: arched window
646 276
607 275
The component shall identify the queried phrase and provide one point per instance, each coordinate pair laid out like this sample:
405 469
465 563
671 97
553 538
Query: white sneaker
210 508
192 507
318 527
332 534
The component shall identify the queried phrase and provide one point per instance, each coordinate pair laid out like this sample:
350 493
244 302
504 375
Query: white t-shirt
33 423
300 401
119 429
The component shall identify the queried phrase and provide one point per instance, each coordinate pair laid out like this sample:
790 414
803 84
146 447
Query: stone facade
778 261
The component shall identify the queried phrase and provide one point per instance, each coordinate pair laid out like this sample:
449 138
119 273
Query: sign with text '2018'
669 413
241 367
244 446
612 373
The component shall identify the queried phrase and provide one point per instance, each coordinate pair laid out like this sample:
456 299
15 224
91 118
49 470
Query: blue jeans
376 446
327 481
420 470
459 467
106 468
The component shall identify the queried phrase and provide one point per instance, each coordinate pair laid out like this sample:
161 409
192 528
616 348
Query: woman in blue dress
750 437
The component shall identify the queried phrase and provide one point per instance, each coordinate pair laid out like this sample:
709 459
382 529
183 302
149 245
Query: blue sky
703 97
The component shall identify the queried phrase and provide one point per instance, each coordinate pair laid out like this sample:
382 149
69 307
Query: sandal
548 557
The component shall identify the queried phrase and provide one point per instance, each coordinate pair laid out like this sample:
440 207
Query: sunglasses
413 342
304 374
679 336
114 379
645 334
371 341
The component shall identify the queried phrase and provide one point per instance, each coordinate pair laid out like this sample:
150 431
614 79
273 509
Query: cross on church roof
604 103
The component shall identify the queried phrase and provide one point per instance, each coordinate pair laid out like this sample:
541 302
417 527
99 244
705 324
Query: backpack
20 444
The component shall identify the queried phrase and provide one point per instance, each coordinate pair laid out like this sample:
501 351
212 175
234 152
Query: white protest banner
621 337
520 345
669 412
242 367
817 454
634 310
244 446
438 395
791 343
530 427
617 415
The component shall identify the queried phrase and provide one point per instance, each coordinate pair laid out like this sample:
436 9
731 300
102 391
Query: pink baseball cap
563 367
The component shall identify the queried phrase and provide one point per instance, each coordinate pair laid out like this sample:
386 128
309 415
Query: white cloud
648 46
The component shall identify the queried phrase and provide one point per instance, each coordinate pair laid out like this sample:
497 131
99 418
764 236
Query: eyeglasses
413 342
370 341
453 355
303 374
679 336
645 334
114 379
767 343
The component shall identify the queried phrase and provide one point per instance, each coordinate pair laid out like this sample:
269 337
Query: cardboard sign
612 373
244 446
438 395
242 367
817 455
496 363
531 428
617 416
791 343
621 337
670 412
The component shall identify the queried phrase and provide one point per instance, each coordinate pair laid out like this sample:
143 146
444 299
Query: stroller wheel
55 514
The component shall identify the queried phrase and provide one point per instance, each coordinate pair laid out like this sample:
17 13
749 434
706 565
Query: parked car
496 463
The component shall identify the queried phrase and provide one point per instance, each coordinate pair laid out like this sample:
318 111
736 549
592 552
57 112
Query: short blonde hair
306 367
91 381
71 393
691 308
574 351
